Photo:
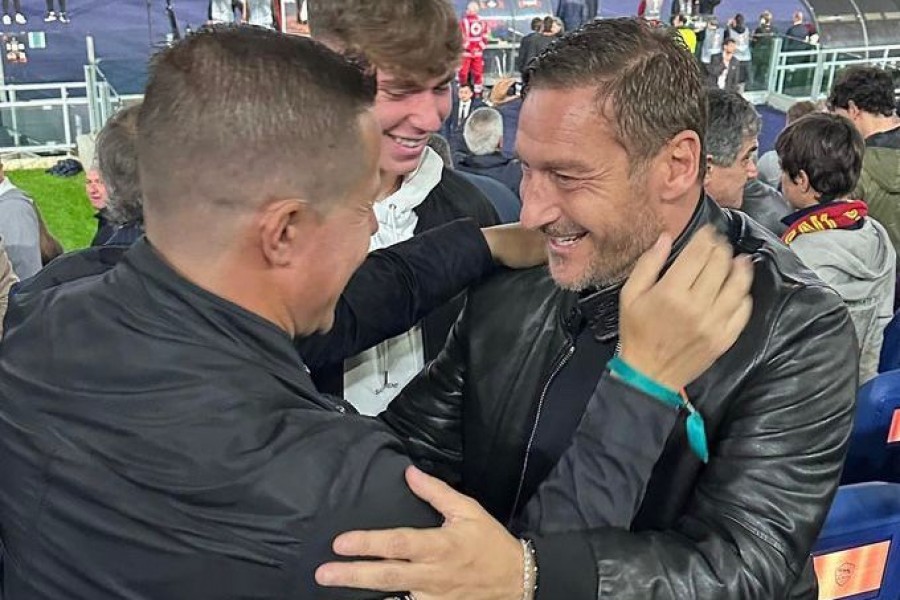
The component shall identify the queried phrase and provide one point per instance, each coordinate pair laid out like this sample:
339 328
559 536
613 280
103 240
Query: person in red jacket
474 31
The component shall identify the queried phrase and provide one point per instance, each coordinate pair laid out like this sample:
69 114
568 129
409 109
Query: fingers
439 495
647 269
401 543
385 576
714 274
692 259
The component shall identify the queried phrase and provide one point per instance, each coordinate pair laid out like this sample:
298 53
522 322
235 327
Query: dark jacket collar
599 310
174 304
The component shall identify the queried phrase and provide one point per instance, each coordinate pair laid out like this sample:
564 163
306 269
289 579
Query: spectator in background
822 156
865 95
557 27
117 161
16 13
226 11
797 35
768 167
484 141
509 104
507 204
573 13
7 279
474 32
53 14
98 197
711 40
738 31
528 47
685 8
731 140
761 47
464 104
414 60
687 33
20 229
708 7
725 71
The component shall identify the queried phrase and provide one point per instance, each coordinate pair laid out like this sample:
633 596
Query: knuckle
390 578
398 545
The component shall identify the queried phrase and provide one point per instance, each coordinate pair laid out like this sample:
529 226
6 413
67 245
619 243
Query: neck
233 280
677 215
390 183
876 124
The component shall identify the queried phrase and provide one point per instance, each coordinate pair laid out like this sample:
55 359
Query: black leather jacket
778 409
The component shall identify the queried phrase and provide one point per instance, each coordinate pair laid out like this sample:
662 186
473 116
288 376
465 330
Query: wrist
529 570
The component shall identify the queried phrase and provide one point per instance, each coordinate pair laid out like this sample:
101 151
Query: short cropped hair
117 161
413 39
800 109
732 119
234 117
483 131
537 24
870 88
828 148
648 84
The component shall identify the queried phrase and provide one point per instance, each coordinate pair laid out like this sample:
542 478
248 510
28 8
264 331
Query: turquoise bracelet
696 429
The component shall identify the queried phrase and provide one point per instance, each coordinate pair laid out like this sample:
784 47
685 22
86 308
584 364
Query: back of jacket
157 441
861 266
777 406
879 182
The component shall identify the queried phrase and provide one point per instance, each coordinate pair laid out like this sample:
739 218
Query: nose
752 171
539 204
427 110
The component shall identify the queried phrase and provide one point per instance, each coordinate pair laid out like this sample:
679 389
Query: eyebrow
408 87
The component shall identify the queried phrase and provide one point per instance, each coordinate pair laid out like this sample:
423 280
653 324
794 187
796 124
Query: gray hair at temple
117 161
483 131
732 120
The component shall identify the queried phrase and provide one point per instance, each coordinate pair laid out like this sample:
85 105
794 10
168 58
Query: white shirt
373 378
464 108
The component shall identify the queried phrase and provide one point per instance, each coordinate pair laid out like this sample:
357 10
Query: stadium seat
874 453
890 350
856 556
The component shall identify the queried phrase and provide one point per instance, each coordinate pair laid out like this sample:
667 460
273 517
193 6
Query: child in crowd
821 157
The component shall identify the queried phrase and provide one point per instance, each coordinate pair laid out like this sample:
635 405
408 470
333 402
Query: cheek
444 105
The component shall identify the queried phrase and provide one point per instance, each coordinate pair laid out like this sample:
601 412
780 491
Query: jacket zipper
537 419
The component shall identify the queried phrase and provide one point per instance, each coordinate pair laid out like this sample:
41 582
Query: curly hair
869 88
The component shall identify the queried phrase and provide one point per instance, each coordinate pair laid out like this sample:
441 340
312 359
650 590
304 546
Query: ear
802 181
852 110
283 226
683 157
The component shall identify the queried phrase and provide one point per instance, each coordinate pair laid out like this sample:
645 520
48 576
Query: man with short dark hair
865 95
725 70
731 142
484 139
528 47
822 156
610 163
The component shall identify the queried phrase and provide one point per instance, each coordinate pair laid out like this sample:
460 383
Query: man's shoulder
781 278
460 198
513 292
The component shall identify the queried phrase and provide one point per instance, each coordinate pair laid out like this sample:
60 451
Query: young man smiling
414 48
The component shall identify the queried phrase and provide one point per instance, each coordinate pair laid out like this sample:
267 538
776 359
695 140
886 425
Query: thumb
647 269
444 499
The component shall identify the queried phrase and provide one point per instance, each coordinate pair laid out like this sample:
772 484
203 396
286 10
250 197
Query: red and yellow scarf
834 215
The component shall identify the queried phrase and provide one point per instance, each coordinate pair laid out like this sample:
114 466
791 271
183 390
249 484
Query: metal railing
47 118
809 74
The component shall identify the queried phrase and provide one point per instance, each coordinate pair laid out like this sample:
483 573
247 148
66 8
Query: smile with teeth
566 240
408 142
